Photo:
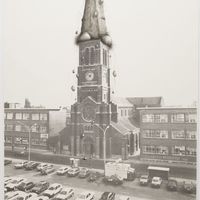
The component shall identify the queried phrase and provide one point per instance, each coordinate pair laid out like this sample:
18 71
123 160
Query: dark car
31 165
172 185
113 180
7 162
93 177
26 186
40 187
189 187
108 196
47 170
84 172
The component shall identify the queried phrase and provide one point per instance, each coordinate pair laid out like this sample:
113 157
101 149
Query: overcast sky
154 53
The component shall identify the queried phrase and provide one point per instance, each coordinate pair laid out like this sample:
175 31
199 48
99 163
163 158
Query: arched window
92 56
87 56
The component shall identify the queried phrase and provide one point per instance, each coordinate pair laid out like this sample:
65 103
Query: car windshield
63 192
144 177
15 181
81 196
105 195
51 188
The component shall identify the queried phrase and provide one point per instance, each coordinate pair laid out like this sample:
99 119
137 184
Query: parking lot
132 188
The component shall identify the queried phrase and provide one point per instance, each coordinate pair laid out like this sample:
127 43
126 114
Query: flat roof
165 108
158 168
32 109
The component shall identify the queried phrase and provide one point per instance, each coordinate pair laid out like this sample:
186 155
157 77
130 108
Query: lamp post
29 138
104 141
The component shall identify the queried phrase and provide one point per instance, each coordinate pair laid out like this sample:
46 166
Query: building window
17 127
9 115
25 116
121 112
9 127
18 116
177 118
191 118
191 135
160 118
178 150
161 150
148 118
92 56
35 117
34 128
179 134
35 141
191 151
87 52
18 140
155 134
43 129
43 117
8 140
43 142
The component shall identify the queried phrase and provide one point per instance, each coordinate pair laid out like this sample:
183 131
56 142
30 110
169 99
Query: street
132 188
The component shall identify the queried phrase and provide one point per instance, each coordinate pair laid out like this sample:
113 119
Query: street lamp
29 138
104 141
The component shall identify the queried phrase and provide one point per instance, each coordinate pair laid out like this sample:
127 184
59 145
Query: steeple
94 23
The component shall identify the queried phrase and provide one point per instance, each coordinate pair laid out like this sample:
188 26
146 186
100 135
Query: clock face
89 113
89 76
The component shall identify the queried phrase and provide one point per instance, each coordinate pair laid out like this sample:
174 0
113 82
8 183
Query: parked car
39 198
47 170
63 170
86 196
40 187
93 177
25 186
156 182
84 172
113 180
172 185
7 162
10 195
108 196
123 197
53 189
14 183
8 179
65 194
41 166
21 153
21 164
24 196
144 180
73 172
189 187
31 165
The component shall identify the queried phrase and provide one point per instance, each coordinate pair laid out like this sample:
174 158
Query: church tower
93 104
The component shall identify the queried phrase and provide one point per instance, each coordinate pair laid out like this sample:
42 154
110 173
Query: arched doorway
88 146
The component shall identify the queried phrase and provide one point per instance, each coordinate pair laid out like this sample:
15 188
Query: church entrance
88 147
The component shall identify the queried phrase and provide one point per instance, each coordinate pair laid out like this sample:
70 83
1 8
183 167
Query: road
132 189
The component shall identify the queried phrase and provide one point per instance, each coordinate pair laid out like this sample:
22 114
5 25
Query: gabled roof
124 126
121 102
145 101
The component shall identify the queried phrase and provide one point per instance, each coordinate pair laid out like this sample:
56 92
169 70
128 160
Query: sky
154 52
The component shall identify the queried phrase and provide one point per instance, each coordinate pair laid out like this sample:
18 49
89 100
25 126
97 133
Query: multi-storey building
41 122
168 133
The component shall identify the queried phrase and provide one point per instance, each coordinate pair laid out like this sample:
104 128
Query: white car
156 182
10 195
8 180
123 197
20 165
65 194
63 170
52 190
86 196
24 196
42 166
39 198
14 183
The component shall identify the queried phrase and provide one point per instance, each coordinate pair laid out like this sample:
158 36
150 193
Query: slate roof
146 101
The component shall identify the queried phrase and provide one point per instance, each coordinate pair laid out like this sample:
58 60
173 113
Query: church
100 124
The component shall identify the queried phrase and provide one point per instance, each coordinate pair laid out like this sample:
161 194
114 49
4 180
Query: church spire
94 23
